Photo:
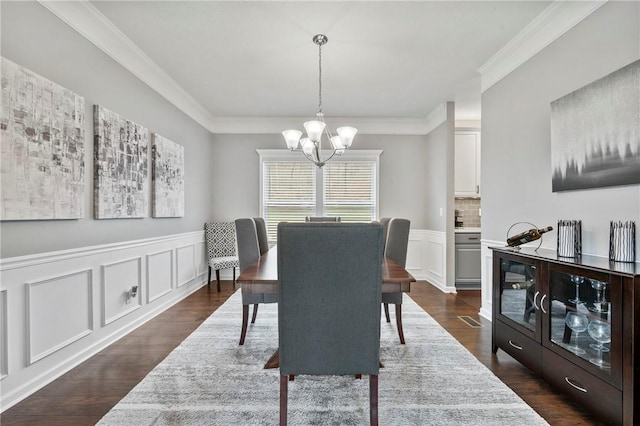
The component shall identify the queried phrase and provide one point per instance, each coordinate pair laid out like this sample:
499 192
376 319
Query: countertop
467 230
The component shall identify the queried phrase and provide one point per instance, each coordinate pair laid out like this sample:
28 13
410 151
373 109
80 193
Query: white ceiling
384 59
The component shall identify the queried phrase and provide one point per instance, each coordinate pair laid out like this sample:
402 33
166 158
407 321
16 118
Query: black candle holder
622 241
569 238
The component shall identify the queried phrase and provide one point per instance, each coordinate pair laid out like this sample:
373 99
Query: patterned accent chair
329 303
323 219
221 248
397 240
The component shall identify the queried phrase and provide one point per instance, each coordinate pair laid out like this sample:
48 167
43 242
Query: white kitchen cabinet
467 163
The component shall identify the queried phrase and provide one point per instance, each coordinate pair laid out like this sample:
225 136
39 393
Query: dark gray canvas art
167 177
121 181
595 133
41 147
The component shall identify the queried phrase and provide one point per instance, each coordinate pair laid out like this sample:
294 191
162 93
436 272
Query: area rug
210 380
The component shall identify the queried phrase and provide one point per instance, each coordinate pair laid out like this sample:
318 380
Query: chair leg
399 323
284 385
255 313
373 399
209 280
218 278
234 277
245 320
386 311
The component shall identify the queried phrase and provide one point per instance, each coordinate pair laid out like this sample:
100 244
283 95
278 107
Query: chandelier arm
308 157
331 156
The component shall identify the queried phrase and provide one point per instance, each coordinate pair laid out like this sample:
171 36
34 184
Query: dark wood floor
89 391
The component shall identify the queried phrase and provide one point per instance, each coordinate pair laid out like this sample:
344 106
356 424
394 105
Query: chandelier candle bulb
532 234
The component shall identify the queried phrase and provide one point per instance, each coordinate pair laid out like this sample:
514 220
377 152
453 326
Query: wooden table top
265 271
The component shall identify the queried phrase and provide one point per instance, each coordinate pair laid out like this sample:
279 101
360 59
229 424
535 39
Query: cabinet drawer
468 238
522 348
599 396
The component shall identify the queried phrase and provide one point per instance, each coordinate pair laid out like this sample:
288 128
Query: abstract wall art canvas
167 177
42 147
121 181
595 133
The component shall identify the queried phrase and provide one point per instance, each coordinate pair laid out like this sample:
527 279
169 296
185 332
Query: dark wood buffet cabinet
575 322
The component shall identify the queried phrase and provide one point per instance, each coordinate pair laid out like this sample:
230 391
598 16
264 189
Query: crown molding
553 22
95 27
370 126
89 22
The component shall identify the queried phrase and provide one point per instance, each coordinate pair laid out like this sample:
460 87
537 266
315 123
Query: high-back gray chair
248 253
263 238
221 248
396 249
385 229
323 219
329 303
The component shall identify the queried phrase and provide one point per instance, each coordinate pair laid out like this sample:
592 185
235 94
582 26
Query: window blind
289 193
349 190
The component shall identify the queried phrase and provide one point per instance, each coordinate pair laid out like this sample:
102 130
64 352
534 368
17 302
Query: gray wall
516 165
404 174
438 165
35 38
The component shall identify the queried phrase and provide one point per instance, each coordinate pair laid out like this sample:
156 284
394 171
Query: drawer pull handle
580 388
518 347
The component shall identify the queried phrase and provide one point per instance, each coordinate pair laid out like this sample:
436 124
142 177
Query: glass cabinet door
518 293
582 317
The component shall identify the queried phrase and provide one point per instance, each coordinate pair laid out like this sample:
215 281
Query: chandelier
312 145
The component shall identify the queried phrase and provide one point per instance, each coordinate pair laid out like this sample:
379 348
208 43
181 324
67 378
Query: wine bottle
527 236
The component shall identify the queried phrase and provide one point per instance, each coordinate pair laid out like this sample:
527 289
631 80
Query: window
293 187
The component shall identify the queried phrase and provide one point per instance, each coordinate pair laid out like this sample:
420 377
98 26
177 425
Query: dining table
395 278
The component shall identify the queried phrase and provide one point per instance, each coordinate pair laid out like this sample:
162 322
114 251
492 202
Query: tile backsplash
467 212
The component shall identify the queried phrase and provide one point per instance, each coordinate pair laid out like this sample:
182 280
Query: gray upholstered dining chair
397 240
323 219
263 238
385 229
329 303
248 253
221 248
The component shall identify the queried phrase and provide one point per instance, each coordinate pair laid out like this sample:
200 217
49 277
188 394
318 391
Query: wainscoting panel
487 276
57 309
159 274
117 280
186 270
426 257
3 335
201 258
59 312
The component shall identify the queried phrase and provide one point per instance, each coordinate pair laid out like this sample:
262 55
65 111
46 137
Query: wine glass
600 331
577 280
578 323
599 304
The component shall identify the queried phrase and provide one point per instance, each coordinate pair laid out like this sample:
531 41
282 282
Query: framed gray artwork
41 147
121 181
595 133
167 177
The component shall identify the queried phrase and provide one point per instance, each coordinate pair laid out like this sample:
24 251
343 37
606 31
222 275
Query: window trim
352 155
